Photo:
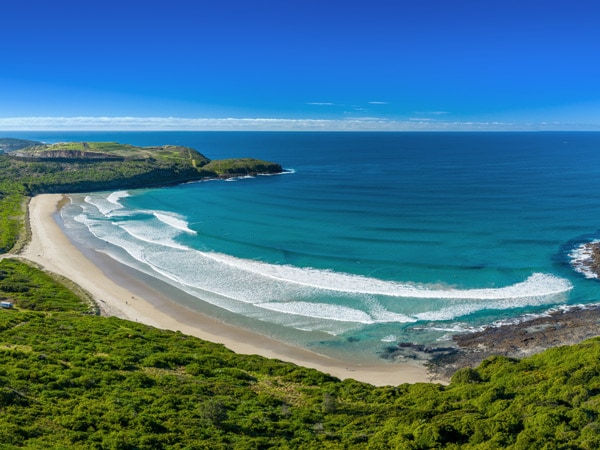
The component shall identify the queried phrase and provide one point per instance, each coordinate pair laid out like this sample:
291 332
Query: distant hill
185 158
8 145
110 150
91 166
31 168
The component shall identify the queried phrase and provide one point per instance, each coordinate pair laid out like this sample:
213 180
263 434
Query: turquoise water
369 238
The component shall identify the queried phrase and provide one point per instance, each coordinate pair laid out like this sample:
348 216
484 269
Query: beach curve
131 299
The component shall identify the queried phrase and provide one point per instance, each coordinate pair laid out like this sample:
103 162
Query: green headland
71 379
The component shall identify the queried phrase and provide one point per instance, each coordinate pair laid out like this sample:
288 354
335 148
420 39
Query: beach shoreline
130 298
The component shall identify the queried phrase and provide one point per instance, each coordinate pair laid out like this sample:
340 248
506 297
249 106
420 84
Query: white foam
142 230
538 284
107 205
320 311
582 258
452 312
457 328
290 295
383 315
100 230
336 312
174 221
115 197
145 232
513 320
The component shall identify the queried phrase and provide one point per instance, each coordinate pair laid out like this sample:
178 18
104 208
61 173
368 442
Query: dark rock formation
560 327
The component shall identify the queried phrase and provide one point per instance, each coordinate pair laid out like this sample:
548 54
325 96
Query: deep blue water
371 238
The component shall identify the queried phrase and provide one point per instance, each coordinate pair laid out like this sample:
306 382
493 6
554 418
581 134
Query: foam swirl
301 297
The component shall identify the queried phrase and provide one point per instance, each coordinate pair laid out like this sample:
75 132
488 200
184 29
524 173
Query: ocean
367 239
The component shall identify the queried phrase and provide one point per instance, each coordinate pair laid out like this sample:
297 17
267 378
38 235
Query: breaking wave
301 297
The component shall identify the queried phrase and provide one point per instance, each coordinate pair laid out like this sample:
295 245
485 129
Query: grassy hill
70 379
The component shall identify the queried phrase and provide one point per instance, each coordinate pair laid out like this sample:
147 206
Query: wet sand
119 293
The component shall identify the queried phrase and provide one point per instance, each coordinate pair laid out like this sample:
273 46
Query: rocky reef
562 326
586 259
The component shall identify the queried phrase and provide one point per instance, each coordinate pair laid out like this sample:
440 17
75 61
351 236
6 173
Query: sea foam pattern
581 259
303 298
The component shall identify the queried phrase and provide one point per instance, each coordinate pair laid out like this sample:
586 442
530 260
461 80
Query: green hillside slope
73 380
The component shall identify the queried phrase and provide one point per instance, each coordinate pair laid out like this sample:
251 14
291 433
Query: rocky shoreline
586 259
566 326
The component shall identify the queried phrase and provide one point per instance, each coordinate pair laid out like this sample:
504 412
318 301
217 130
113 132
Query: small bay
368 238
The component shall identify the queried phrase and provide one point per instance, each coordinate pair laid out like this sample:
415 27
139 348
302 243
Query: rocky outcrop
594 262
559 327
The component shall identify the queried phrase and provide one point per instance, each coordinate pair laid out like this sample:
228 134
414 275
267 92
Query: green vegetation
241 166
89 166
11 144
30 288
70 379
94 166
80 175
12 214
113 150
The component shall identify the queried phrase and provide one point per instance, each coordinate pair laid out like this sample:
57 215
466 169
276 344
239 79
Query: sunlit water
369 238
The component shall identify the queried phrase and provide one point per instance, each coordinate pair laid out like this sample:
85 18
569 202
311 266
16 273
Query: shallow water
370 238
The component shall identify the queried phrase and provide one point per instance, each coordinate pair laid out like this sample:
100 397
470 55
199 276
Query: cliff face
66 154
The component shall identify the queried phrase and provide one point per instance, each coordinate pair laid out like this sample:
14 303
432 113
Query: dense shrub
79 381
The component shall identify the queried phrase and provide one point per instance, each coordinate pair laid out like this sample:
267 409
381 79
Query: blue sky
230 64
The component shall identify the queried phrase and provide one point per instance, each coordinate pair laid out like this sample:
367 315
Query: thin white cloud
379 103
269 124
431 113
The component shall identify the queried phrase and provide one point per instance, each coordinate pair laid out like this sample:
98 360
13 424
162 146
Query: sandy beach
129 298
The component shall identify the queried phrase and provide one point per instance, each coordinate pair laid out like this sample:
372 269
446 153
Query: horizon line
131 123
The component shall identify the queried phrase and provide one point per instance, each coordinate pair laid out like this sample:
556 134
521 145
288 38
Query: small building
6 305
